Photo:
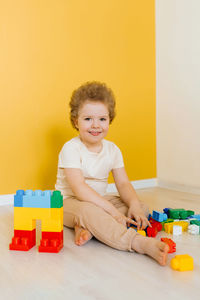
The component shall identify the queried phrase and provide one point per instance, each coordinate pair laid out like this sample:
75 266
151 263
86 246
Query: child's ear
76 123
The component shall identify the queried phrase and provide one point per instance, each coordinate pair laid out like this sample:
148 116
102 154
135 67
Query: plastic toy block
57 213
190 213
52 225
22 221
193 229
175 213
159 216
37 199
180 213
142 232
151 231
168 227
56 199
156 224
195 217
37 213
23 240
182 262
195 222
51 242
166 211
18 198
170 243
25 218
167 221
177 230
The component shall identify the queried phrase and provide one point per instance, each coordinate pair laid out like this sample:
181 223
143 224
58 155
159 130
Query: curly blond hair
91 91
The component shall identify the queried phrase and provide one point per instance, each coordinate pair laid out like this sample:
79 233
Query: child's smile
95 133
93 123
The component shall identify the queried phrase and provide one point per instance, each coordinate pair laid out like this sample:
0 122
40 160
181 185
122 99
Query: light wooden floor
96 271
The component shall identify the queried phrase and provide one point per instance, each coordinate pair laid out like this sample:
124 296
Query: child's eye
103 119
87 119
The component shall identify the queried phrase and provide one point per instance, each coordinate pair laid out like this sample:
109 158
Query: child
83 167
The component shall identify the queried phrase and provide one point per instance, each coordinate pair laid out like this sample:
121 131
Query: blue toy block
166 211
39 199
18 198
158 216
149 217
197 217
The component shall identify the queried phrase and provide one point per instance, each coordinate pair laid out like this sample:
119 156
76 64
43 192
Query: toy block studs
23 240
170 243
159 216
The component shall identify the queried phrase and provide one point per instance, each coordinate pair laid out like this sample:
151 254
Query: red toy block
155 224
23 240
170 243
51 242
151 231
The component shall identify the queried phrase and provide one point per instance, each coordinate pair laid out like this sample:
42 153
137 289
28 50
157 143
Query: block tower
30 206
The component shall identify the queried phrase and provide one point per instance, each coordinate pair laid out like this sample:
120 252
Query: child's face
93 122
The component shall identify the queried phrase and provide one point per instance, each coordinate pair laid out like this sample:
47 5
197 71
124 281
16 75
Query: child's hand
140 218
120 218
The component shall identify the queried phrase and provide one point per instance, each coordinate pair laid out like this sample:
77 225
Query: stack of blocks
30 206
175 221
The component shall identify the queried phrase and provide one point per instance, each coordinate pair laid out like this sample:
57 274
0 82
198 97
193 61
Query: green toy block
56 200
190 213
175 213
183 214
180 213
196 222
167 221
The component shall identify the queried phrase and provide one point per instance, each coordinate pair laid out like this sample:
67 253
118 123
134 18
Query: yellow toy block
142 232
57 213
22 221
169 226
182 262
52 225
24 224
51 218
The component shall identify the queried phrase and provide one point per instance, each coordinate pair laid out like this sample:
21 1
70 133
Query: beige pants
101 224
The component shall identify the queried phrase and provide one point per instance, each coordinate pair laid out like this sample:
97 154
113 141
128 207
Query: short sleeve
118 158
69 157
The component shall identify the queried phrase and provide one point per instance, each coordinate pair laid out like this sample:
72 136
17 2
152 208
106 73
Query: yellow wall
48 48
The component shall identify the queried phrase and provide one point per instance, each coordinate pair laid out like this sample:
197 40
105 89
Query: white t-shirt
94 166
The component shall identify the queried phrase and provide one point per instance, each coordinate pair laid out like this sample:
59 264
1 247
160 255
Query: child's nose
95 123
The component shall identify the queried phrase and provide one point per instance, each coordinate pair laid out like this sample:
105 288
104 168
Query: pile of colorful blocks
174 221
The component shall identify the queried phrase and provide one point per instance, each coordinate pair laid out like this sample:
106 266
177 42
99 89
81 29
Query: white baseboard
178 187
137 184
7 199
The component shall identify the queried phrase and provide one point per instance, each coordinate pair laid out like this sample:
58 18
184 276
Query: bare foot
152 247
82 235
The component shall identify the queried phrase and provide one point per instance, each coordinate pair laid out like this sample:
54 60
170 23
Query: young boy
83 168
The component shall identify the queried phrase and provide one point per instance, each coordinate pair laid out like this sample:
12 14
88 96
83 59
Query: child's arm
85 193
129 196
